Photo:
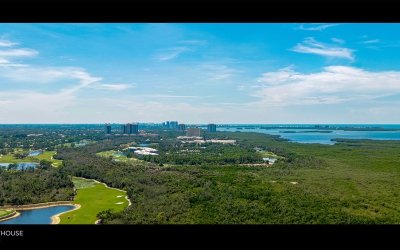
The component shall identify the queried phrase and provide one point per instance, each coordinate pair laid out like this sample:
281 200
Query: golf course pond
35 153
20 165
37 216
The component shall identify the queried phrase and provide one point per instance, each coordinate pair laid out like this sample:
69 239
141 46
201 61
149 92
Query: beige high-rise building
193 131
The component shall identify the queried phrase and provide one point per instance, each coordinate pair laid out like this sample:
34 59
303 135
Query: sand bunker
119 196
293 182
119 203
273 181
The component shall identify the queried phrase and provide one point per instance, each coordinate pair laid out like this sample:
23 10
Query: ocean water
299 134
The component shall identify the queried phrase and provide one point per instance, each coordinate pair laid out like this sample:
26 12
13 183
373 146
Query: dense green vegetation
351 182
34 185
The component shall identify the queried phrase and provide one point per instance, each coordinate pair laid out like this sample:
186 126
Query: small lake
20 165
37 216
119 154
34 153
144 145
81 144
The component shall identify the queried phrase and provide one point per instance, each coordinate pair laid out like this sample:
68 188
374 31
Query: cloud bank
334 85
311 46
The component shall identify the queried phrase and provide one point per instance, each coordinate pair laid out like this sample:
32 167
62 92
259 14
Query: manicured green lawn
48 157
270 155
4 212
118 157
93 199
9 158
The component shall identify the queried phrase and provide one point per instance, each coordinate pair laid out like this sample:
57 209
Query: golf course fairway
93 197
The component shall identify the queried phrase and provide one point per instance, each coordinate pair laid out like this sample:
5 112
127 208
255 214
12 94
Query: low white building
142 151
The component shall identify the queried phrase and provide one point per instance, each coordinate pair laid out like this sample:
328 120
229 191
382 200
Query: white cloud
159 111
32 106
113 86
334 85
371 41
310 46
173 96
241 87
6 43
218 72
17 52
338 40
319 28
172 53
47 74
282 76
194 42
5 55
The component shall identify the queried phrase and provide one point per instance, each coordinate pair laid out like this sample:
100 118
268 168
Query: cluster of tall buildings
129 128
174 125
170 124
133 128
126 129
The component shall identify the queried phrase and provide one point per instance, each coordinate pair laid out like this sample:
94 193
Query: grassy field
47 155
5 212
270 155
94 198
119 158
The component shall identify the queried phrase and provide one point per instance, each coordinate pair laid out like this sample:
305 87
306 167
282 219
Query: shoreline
11 217
35 206
55 219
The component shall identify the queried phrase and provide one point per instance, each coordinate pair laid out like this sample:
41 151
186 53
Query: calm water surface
323 138
34 153
21 165
37 216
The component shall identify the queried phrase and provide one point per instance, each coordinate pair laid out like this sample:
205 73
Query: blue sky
266 73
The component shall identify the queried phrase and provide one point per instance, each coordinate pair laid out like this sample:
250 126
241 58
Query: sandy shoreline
38 206
11 217
55 219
